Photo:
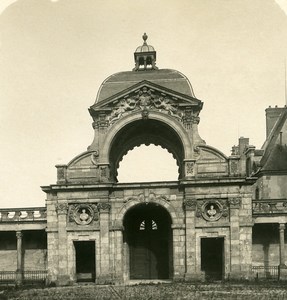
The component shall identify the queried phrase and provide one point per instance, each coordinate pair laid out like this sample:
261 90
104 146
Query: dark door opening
148 235
212 262
85 260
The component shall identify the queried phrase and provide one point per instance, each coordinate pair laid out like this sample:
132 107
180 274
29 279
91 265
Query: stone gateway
224 218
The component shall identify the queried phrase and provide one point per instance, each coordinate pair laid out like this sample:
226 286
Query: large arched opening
145 132
148 234
155 164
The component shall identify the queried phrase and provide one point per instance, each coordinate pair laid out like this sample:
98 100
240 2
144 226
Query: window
145 225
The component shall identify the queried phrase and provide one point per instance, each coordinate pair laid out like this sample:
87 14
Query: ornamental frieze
151 197
83 214
145 100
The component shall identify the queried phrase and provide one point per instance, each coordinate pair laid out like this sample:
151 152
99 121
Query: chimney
272 115
243 143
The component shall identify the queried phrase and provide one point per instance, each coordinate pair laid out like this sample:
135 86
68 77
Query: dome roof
144 48
167 78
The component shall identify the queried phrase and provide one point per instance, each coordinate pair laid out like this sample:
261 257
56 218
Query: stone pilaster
190 206
63 274
282 265
245 237
19 271
104 276
126 262
178 234
234 204
118 254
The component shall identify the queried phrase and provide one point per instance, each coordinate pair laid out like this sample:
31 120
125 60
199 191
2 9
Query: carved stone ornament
190 117
189 166
104 206
190 204
83 214
62 208
212 210
145 100
151 197
95 157
234 202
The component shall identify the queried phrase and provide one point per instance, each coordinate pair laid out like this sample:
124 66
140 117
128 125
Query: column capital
19 234
282 226
189 204
234 202
62 208
104 207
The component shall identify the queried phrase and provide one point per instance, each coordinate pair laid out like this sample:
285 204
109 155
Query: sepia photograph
143 149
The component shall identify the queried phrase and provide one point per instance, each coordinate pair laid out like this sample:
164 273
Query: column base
104 279
178 278
63 280
19 277
282 275
195 277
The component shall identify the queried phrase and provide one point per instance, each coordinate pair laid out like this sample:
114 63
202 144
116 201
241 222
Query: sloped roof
168 78
275 152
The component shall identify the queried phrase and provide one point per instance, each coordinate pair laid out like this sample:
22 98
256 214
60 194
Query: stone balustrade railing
269 207
23 214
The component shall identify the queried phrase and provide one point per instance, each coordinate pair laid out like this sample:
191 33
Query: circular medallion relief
83 214
212 210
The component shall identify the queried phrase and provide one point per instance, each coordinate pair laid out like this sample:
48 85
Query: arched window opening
146 164
144 225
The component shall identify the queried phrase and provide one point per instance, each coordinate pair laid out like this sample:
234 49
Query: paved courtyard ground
175 291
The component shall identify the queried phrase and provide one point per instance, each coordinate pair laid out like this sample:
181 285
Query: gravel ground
175 291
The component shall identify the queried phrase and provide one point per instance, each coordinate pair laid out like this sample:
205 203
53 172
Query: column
235 261
190 206
19 271
104 276
282 266
63 274
178 233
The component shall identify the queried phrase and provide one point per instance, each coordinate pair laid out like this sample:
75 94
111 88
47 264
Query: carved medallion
83 214
212 210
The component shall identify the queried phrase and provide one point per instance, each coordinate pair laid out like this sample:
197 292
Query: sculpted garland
144 101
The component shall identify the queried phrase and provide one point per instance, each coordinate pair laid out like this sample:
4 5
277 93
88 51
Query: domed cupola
145 56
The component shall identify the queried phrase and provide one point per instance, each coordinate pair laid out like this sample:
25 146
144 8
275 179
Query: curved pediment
211 162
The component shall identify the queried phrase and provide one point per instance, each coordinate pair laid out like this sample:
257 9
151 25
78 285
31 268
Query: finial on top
145 38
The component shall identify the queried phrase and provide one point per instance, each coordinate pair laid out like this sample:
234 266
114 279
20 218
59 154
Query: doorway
148 235
85 261
212 258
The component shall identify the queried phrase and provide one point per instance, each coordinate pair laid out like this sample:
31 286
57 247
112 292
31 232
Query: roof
275 149
168 78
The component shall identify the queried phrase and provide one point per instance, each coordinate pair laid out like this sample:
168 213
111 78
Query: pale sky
55 54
